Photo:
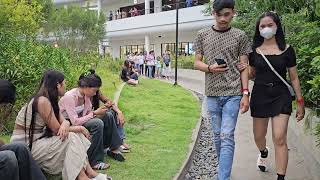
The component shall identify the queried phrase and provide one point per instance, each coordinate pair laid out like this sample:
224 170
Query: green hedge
24 61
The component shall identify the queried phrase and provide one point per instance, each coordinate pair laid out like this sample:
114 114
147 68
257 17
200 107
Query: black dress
270 96
124 74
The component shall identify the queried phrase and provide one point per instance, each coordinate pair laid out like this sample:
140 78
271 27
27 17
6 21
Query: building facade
145 25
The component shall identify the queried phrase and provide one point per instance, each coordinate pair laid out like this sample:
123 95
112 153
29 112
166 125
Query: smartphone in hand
220 61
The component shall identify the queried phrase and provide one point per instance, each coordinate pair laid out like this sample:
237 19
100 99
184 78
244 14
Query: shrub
23 62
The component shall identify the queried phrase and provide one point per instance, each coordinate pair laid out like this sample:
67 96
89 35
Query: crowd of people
62 132
120 14
135 11
146 64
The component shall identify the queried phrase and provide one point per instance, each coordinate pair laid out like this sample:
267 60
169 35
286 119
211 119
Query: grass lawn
160 119
110 80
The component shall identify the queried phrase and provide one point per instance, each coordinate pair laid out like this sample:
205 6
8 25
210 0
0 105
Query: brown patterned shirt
228 45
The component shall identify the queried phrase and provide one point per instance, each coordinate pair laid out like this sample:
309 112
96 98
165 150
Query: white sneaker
262 163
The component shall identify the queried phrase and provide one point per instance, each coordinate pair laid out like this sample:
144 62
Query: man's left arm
244 50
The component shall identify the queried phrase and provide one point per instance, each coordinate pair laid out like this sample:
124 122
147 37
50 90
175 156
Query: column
147 6
100 49
147 43
157 6
115 50
99 7
157 48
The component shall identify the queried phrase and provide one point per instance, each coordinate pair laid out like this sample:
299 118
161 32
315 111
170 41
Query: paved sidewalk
244 167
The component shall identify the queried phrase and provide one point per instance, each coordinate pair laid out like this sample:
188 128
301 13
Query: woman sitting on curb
127 75
76 105
42 127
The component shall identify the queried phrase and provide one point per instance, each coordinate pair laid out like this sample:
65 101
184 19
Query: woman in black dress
270 96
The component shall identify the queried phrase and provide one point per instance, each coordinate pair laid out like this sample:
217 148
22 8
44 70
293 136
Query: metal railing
167 7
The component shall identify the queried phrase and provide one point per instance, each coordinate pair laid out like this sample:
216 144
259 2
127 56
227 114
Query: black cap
7 92
218 5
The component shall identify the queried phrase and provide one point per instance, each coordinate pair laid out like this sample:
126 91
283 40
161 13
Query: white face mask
268 32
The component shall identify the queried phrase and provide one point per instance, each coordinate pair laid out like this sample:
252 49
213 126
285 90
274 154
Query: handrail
167 7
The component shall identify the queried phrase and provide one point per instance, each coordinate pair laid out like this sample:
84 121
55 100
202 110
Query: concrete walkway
244 167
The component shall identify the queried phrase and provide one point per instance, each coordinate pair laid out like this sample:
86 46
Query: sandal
116 156
124 149
101 166
102 177
126 145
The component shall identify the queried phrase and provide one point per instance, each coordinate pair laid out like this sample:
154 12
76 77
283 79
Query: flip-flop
126 145
102 177
101 166
124 149
116 156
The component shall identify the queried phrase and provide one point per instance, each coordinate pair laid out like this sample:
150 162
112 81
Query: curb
117 93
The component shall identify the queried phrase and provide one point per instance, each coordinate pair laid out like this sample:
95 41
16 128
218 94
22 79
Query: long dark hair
48 88
7 100
280 38
91 79
7 92
126 64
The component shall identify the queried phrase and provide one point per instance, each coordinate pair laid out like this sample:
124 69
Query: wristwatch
246 92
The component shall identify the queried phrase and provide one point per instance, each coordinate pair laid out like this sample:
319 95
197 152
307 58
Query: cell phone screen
220 61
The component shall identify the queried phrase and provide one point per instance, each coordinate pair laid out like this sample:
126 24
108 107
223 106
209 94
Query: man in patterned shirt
223 47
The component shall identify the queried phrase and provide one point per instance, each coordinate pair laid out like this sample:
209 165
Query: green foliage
23 62
75 27
20 17
184 62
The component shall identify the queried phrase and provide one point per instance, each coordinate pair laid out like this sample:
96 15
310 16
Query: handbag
275 72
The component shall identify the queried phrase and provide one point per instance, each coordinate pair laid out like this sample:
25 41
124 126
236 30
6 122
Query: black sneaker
116 156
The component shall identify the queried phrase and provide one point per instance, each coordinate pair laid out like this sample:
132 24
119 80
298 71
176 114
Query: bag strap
275 72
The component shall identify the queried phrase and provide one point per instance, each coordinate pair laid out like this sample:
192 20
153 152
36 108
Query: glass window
184 48
134 48
123 51
140 48
191 51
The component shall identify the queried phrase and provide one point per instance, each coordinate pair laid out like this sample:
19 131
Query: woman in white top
55 145
150 64
141 62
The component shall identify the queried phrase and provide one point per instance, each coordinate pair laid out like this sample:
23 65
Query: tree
77 28
20 17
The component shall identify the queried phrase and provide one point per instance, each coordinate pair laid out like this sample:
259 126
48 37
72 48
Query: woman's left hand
108 104
242 66
300 112
64 130
120 119
244 104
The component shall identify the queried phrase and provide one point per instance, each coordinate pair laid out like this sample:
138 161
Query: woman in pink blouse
76 106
